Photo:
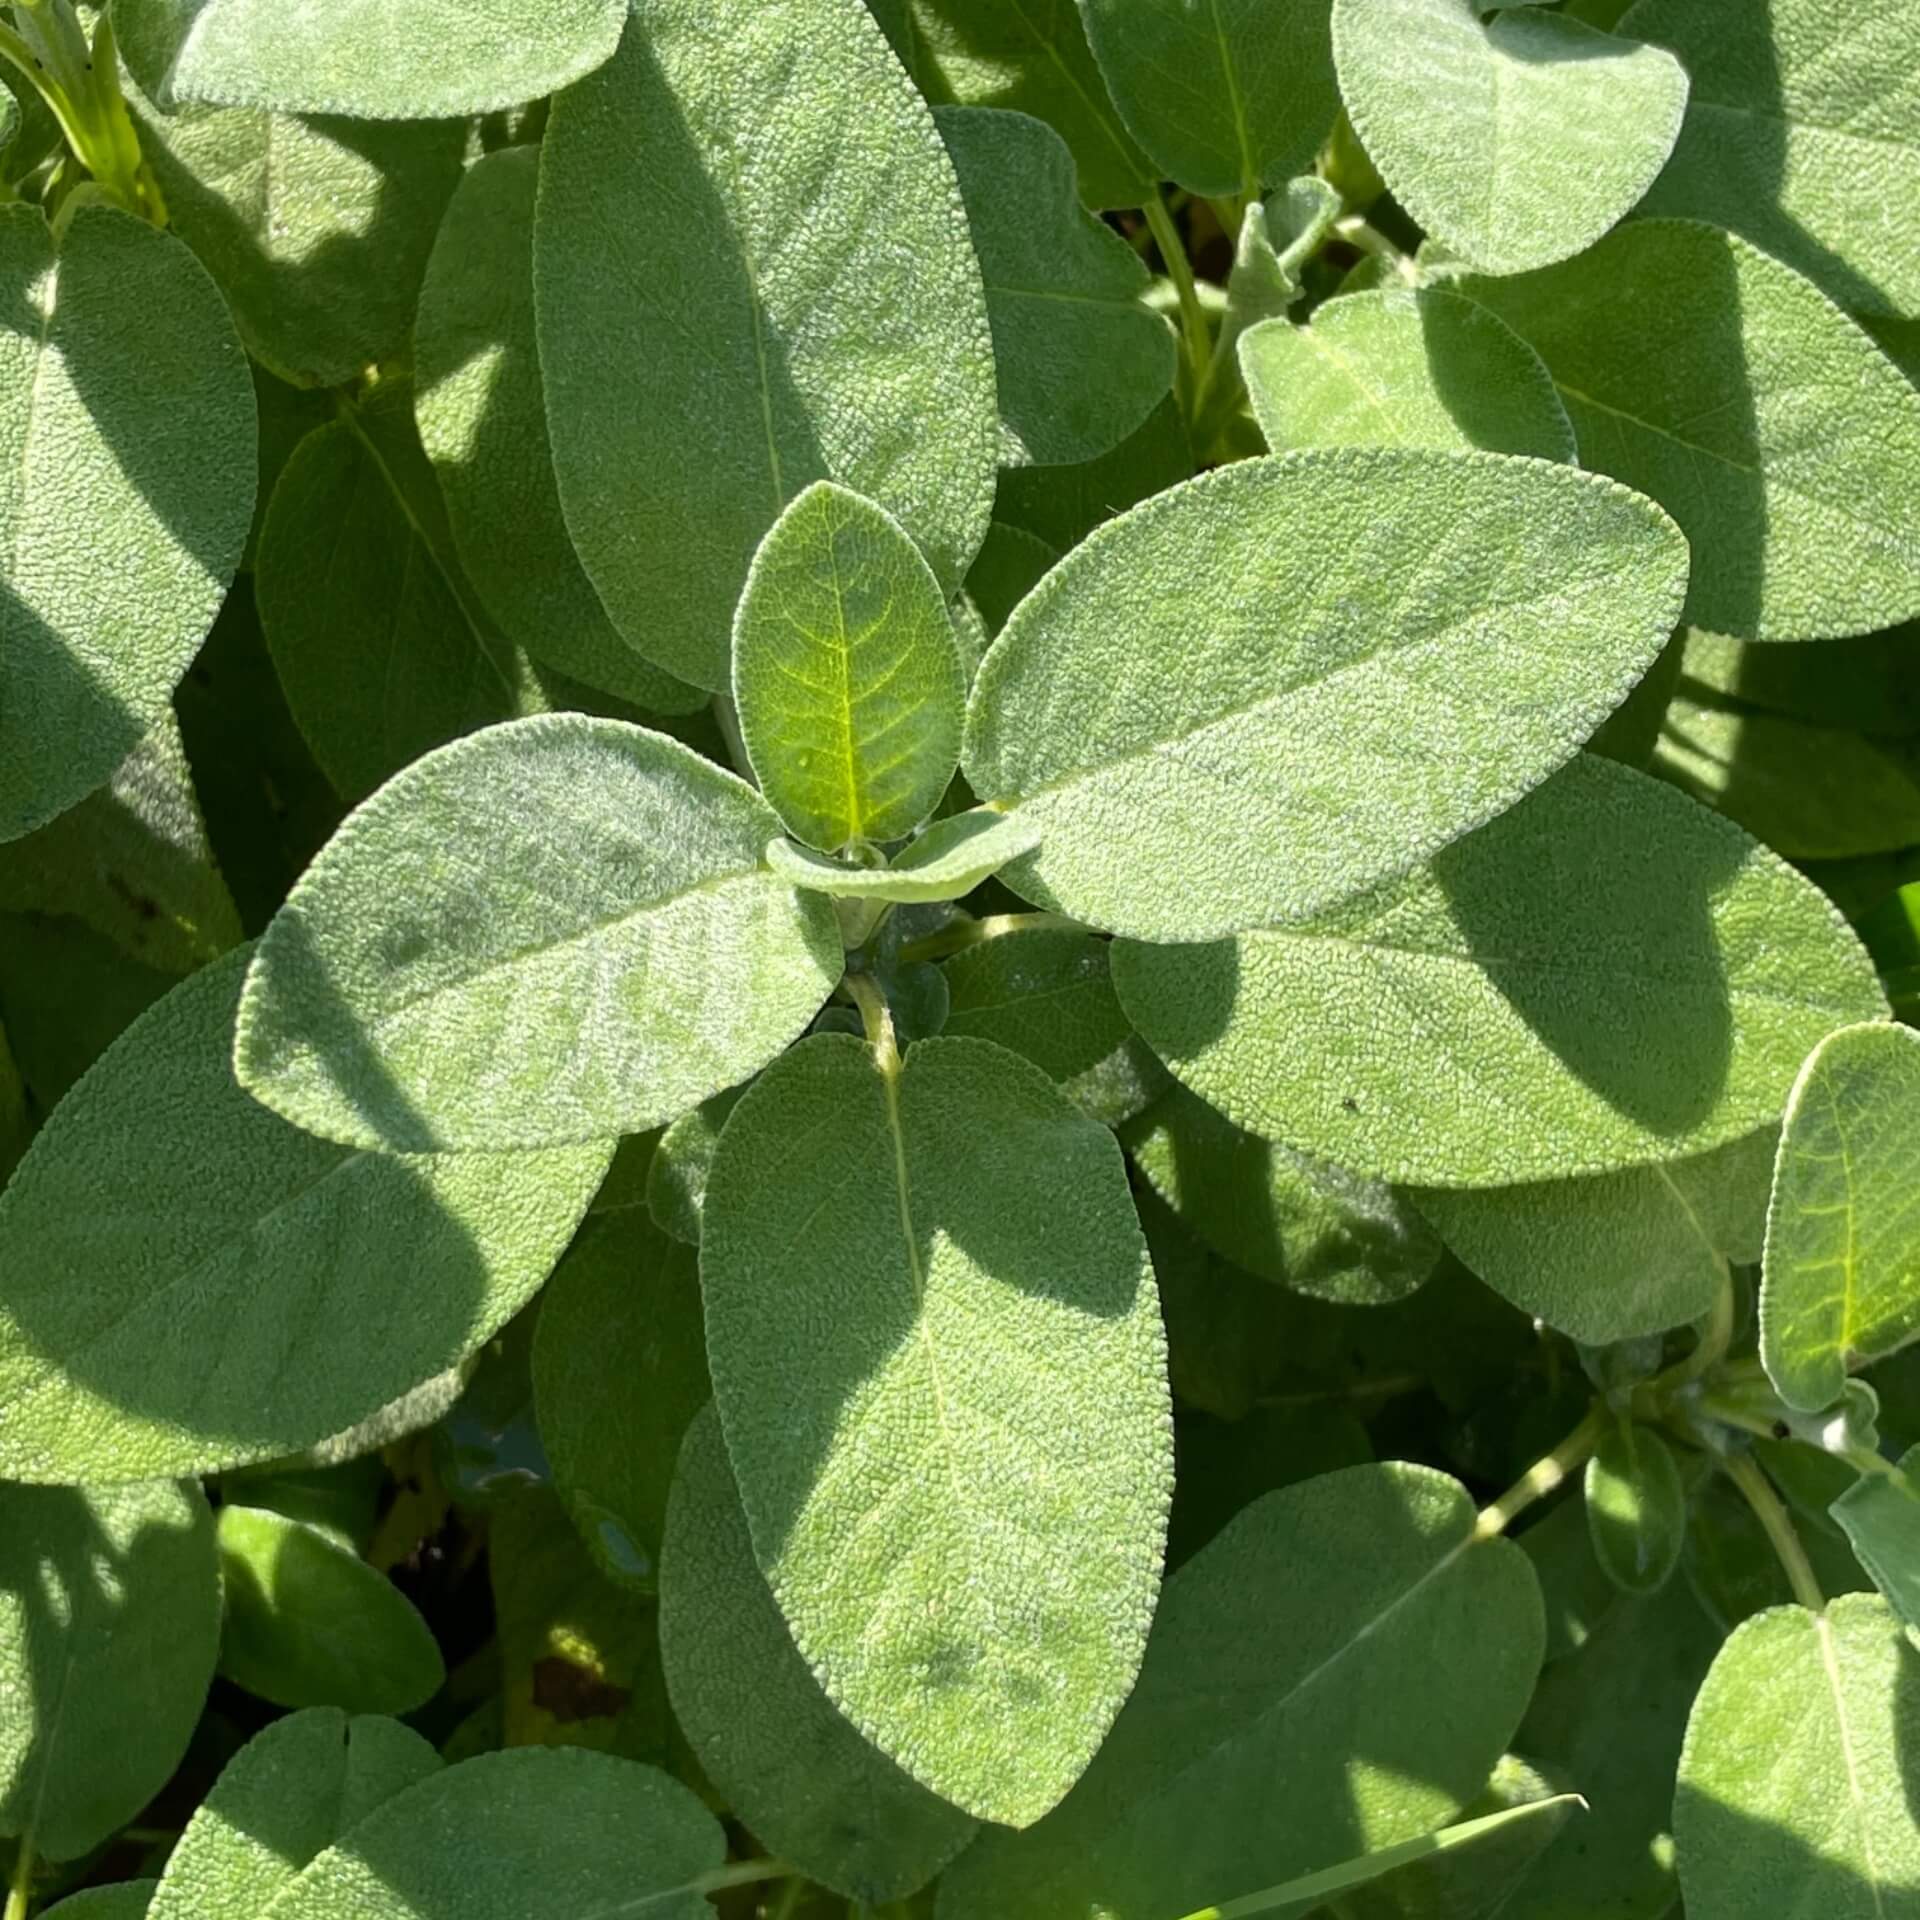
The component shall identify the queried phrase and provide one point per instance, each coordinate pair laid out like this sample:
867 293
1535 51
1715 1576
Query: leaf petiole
1547 1473
1744 1471
1193 320
992 926
20 1881
877 1017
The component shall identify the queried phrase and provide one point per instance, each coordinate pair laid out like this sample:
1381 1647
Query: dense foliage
956 959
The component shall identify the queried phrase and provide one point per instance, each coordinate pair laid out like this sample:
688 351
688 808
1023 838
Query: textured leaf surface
677 1176
846 674
1803 134
556 930
938 1360
1840 1283
109 1620
1228 97
1434 1031
1517 142
377 59
1337 1671
1730 389
1082 360
1636 1508
293 1790
480 403
1062 505
192 1283
564 1834
1403 367
760 190
1880 1515
950 859
126 482
1791 1783
1265 691
792 1768
1614 1255
310 1624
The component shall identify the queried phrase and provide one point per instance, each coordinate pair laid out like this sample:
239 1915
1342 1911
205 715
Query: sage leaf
1229 98
1082 358
554 1831
1010 564
123 1900
1636 1507
1062 505
1880 1515
1800 135
1705 977
288 1794
1840 1280
162 1280
109 1620
1790 1785
846 674
793 1770
127 455
619 1370
1219 1779
480 404
379 60
1734 392
310 1624
1287 1217
1517 142
946 862
938 1360
1278 236
681 1165
556 930
1864 684
799 259
1302 675
1403 367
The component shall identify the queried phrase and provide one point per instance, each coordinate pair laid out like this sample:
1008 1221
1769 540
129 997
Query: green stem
1744 1471
1715 1335
970 933
1173 251
20 1881
745 1873
877 1017
1546 1473
1368 238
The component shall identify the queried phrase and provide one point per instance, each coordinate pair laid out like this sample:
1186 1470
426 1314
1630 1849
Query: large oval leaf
1336 1671
1265 691
1437 1032
127 433
176 1256
761 190
556 930
937 1355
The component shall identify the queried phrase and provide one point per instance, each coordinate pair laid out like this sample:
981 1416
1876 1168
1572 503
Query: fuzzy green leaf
752 271
127 433
677 1176
109 1621
1265 691
949 860
1735 393
1840 1281
1337 1671
1636 1508
928 1304
1518 142
1062 505
1434 1031
1880 1515
556 930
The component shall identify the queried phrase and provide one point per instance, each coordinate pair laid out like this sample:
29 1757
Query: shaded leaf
1636 1507
677 1177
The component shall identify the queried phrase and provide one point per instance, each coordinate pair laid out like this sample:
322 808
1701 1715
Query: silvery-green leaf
1880 1515
109 1621
1866 683
187 1295
1403 367
1735 393
1082 359
557 1832
682 1162
1840 1281
317 231
1517 142
1297 1221
1792 1784
559 929
1337 1671
376 60
752 271
1010 564
938 1360
1278 236
1609 1256
1230 97
1062 505
126 483
1433 1032
294 1789
480 404
846 676
1636 1507
1267 690
1803 134
793 1770
950 859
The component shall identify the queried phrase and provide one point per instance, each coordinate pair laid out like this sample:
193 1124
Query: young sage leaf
950 859
1636 1507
